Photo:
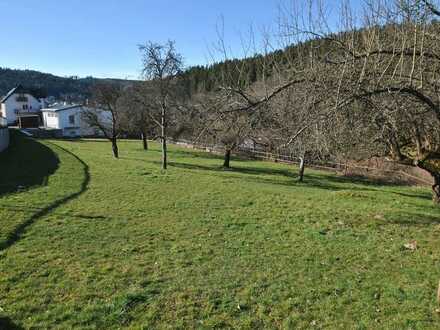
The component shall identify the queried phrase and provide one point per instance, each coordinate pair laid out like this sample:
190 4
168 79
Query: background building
22 107
68 119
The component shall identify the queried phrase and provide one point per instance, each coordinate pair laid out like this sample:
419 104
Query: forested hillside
49 84
244 72
199 78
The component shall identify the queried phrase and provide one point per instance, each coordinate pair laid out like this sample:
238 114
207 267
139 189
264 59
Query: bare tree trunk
436 186
227 161
115 147
144 140
301 169
164 138
164 150
436 189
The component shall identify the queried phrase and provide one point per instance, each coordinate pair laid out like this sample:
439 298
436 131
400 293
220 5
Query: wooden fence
399 173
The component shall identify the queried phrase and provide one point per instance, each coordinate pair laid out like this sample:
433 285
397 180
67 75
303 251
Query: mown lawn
90 242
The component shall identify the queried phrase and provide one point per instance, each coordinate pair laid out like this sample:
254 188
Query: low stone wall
4 138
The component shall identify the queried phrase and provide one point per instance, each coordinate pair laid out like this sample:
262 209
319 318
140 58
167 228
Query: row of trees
369 87
142 108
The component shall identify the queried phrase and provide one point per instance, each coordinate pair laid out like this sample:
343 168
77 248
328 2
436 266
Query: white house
21 107
69 120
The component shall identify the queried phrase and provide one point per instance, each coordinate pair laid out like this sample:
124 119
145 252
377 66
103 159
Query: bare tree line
369 86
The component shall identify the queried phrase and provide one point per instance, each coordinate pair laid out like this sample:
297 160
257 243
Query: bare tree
230 131
161 68
385 68
137 111
103 112
369 87
289 104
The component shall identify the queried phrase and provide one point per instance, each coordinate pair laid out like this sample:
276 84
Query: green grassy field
90 242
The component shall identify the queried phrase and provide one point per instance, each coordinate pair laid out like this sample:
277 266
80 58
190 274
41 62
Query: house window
25 106
72 119
21 98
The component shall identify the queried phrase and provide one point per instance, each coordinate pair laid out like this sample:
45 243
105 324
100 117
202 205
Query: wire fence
386 171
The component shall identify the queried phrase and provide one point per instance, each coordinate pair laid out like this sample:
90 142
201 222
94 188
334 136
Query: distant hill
49 84
198 78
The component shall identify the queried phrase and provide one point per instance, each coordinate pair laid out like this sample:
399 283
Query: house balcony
21 111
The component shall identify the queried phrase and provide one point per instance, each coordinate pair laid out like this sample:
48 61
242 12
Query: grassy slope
202 247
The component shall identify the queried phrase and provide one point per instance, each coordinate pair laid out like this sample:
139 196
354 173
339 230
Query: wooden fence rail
292 159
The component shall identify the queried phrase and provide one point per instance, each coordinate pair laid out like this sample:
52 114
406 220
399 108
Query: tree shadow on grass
181 152
421 195
197 153
17 233
25 163
336 178
325 181
259 175
81 140
334 184
360 183
7 324
311 182
242 170
28 209
411 219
